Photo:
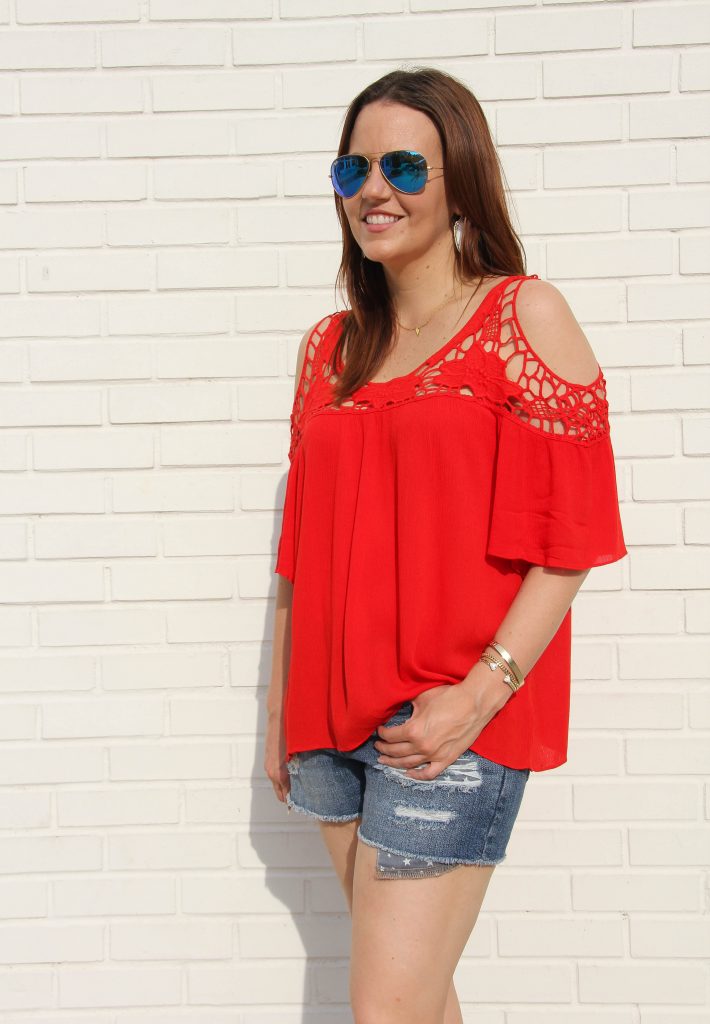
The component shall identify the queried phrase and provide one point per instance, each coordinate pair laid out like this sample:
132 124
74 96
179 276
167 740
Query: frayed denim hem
442 860
321 817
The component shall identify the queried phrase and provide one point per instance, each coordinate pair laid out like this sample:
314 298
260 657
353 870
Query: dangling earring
458 231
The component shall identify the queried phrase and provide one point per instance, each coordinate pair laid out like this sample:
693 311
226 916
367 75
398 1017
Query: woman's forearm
280 647
533 618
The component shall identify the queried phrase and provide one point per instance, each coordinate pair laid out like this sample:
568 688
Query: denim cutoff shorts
420 828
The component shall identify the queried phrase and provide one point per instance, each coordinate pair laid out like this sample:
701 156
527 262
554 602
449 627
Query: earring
458 231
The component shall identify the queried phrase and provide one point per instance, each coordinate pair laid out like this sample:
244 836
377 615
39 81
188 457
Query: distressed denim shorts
420 828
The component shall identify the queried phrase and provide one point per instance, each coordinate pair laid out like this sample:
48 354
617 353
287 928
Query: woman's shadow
292 916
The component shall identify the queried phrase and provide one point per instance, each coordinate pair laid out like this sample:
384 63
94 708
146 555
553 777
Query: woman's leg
408 937
341 840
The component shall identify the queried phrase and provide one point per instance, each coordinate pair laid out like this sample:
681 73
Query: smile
381 223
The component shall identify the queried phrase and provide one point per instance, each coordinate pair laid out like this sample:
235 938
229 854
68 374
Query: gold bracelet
494 664
515 670
511 673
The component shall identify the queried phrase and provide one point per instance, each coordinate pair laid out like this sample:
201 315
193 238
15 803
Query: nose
376 185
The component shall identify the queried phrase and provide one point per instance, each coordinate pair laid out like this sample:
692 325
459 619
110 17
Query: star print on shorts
395 865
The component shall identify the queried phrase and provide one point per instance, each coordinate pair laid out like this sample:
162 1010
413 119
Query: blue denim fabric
463 816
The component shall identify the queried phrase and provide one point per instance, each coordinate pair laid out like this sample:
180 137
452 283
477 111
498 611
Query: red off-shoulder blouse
413 512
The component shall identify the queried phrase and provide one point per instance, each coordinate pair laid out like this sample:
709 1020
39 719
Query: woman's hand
275 755
446 720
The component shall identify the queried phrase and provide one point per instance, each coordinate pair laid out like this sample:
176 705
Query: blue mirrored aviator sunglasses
404 169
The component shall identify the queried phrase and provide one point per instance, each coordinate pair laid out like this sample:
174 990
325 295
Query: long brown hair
473 181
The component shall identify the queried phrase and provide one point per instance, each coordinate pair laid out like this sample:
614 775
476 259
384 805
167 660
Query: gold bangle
519 677
494 663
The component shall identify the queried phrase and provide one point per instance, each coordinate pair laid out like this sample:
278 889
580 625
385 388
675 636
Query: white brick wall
168 233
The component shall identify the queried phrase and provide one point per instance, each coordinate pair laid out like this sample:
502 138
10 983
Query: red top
411 516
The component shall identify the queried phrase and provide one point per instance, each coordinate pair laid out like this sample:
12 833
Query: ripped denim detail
462 774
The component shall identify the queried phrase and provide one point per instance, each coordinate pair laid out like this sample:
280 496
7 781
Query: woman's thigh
340 838
408 935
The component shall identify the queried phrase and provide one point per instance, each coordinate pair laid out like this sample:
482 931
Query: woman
451 483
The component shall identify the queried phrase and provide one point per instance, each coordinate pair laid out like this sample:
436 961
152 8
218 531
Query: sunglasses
404 169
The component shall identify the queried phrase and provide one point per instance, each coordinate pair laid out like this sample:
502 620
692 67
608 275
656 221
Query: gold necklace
418 329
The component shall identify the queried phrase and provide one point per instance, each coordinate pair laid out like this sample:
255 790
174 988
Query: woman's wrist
488 690
276 699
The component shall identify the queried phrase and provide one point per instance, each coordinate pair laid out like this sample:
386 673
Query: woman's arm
448 719
533 618
275 745
280 647
547 592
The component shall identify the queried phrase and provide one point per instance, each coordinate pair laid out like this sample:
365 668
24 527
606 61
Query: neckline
435 356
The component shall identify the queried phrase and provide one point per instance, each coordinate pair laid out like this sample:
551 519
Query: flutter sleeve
286 553
554 497
306 393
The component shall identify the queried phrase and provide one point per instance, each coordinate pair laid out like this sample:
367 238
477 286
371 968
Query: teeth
379 218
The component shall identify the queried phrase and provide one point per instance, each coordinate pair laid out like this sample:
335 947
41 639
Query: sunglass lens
347 174
405 170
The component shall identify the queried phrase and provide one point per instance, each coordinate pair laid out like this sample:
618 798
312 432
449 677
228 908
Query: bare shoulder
553 333
313 333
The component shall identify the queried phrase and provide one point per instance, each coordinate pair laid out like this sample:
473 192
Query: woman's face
423 218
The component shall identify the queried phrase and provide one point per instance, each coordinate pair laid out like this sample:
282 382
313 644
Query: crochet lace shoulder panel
308 381
491 363
546 401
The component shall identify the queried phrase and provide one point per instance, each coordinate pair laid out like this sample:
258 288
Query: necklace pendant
417 330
